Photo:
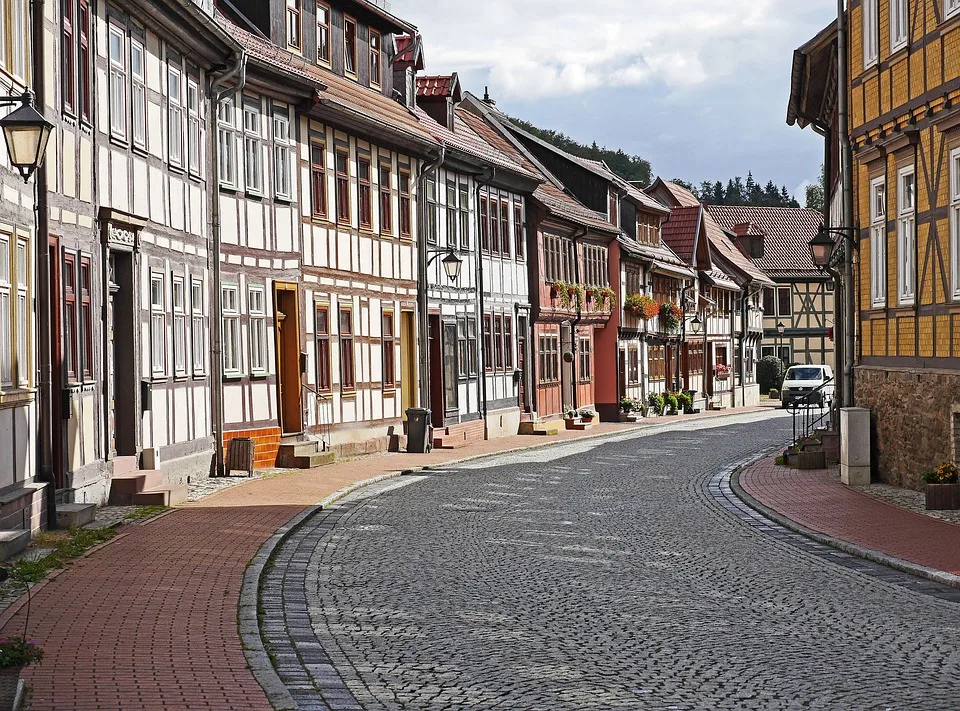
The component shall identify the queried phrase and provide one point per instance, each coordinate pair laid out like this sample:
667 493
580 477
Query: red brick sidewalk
818 501
149 621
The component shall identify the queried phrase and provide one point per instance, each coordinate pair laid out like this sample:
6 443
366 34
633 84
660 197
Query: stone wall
912 412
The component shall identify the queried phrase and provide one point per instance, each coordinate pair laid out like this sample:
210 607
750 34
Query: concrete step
75 515
13 542
455 442
163 495
578 426
312 461
125 465
541 428
123 488
298 455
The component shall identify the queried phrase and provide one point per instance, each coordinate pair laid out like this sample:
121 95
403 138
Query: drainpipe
485 178
216 93
422 259
45 429
847 168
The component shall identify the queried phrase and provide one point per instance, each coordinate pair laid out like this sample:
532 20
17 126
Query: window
86 320
404 204
343 188
769 306
955 219
508 343
18 30
505 249
453 217
389 352
519 237
350 45
871 32
322 334
878 243
230 309
487 342
494 225
584 352
158 326
258 330
648 229
464 206
484 225
174 116
348 380
558 258
657 358
118 83
784 301
365 197
294 40
70 358
549 359
906 235
386 202
194 127
595 265
430 212
138 95
227 143
633 366
472 345
463 353
951 8
252 152
498 341
318 178
899 24
6 332
198 340
68 51
22 265
323 33
375 58
179 327
281 156
83 57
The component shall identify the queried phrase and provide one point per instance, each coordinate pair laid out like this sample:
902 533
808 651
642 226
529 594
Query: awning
672 269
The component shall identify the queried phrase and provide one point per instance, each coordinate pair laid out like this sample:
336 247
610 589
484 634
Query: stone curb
904 566
248 621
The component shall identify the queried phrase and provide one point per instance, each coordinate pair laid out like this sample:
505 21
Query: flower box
723 376
943 497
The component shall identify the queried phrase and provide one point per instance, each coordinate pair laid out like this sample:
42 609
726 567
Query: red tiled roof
787 234
679 231
333 89
723 246
747 229
409 51
552 197
682 196
430 86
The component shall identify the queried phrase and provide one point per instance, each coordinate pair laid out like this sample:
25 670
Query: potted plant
629 409
569 413
670 316
774 394
671 403
942 487
586 415
560 290
576 295
656 403
722 371
605 298
15 654
685 402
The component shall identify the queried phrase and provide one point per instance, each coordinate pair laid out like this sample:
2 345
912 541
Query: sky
697 87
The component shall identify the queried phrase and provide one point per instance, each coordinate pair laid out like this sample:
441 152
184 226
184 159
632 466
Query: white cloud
539 48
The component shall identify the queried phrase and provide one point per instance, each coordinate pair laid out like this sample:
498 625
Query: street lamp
780 329
451 265
696 324
26 133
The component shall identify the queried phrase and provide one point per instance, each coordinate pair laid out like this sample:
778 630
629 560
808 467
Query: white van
803 379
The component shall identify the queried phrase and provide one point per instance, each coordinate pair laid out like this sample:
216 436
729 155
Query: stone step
541 427
13 542
123 488
312 461
125 465
455 442
75 515
297 455
164 495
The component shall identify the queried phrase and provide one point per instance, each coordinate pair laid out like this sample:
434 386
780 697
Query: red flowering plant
670 316
723 369
16 652
946 473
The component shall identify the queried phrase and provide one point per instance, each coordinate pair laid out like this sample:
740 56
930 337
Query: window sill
234 376
175 168
898 53
260 375
159 378
348 394
950 22
199 376
229 188
285 199
181 378
391 393
253 194
119 141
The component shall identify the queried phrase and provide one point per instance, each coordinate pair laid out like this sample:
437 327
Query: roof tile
787 234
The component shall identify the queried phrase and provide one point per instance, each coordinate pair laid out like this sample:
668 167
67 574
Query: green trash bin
418 430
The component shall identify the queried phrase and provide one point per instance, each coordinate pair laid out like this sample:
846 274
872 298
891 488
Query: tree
718 193
816 192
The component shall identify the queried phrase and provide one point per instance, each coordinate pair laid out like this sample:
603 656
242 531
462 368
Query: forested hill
740 192
626 166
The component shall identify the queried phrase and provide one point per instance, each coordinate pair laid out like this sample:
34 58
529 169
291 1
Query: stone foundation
912 413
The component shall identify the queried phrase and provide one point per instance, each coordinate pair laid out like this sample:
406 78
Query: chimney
486 97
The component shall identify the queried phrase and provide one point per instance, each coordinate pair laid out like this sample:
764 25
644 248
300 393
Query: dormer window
375 43
294 40
350 45
323 33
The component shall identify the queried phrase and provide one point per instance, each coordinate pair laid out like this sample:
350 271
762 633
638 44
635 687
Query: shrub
19 652
671 403
770 371
656 402
946 473
685 401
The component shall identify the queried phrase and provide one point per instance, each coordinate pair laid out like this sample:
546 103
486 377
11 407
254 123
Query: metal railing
807 420
323 423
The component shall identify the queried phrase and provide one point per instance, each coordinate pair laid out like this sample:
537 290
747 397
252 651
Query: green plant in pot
656 402
685 402
942 487
586 414
671 402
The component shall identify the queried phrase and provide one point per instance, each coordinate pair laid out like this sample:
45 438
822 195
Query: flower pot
943 497
586 420
9 687
723 376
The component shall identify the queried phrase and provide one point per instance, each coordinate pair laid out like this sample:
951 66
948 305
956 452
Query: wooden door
286 320
436 372
408 361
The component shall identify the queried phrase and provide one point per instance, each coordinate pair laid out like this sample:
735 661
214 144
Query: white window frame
6 309
158 325
899 24
22 280
252 147
194 128
179 296
950 8
955 220
19 62
878 242
256 305
906 235
281 155
138 94
118 83
871 17
227 143
230 293
198 328
175 128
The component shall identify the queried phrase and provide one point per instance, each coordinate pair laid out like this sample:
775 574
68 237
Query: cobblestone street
593 575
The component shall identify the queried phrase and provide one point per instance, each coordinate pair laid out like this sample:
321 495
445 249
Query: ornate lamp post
26 133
